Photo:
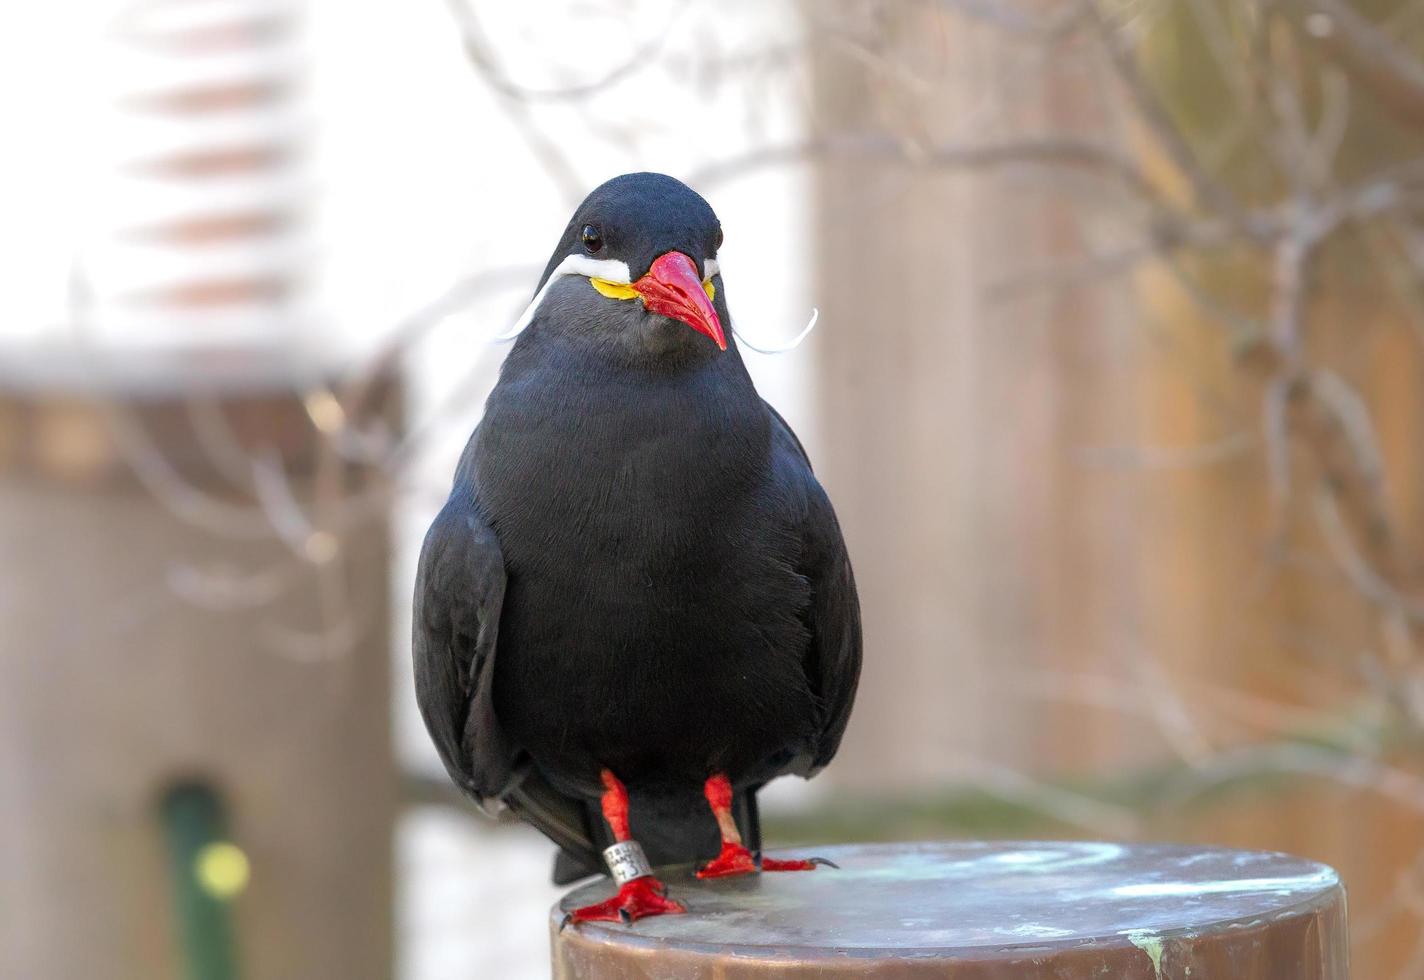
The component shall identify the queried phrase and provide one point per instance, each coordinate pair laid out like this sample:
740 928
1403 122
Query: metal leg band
627 861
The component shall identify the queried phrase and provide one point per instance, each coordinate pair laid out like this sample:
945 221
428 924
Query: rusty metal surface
984 911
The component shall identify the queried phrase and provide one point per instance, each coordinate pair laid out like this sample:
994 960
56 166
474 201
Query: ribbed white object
201 234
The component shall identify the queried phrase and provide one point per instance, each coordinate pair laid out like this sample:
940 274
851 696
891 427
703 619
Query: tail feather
562 819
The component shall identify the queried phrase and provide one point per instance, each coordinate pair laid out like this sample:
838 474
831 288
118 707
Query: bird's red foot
636 899
735 859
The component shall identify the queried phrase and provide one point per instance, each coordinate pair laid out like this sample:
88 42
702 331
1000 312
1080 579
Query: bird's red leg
735 859
638 896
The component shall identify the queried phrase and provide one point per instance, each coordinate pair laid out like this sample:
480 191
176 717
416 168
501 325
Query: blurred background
1118 388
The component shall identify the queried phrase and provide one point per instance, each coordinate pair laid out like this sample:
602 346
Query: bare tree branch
1376 61
551 157
1059 151
644 56
1157 119
1068 17
1364 578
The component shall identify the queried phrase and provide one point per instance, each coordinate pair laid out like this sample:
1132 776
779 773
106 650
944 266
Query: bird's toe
734 860
796 864
636 899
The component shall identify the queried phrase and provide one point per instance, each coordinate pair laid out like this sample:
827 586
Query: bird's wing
833 616
459 589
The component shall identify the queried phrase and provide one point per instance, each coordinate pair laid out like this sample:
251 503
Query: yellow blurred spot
222 869
72 440
710 289
614 290
321 547
325 411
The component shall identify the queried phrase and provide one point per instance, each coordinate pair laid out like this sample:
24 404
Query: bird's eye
592 238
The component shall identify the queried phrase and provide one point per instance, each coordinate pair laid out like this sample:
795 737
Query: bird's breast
652 589
632 505
598 469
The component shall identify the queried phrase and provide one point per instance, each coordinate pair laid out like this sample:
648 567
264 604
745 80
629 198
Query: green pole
207 871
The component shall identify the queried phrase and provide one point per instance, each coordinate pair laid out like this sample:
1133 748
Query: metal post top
985 910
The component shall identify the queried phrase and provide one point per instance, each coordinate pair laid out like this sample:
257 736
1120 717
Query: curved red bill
673 288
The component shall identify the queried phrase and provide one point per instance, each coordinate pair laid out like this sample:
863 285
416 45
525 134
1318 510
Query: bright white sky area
413 175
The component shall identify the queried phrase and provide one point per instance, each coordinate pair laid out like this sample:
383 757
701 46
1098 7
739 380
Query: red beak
673 288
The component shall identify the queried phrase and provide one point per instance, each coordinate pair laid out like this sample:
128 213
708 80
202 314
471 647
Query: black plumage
636 569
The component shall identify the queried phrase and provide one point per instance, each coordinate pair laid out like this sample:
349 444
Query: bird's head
637 264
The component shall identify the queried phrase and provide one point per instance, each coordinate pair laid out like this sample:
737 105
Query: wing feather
459 589
459 592
833 655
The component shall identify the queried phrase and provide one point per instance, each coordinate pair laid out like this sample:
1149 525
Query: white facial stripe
614 270
709 269
780 348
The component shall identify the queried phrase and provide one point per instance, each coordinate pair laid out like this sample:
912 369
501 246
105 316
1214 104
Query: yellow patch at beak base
614 290
621 290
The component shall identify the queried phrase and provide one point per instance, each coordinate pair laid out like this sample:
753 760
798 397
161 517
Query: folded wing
832 659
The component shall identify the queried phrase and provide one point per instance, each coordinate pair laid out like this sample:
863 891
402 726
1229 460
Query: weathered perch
976 911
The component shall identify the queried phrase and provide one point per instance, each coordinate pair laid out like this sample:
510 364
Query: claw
564 922
825 862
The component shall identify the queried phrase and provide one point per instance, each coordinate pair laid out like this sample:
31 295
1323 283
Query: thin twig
1067 19
1223 450
1350 769
643 57
551 157
1365 579
1059 150
1392 73
1156 118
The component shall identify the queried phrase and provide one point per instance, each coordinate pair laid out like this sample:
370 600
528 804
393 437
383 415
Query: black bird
637 589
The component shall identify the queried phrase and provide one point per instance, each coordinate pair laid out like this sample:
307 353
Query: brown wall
116 679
